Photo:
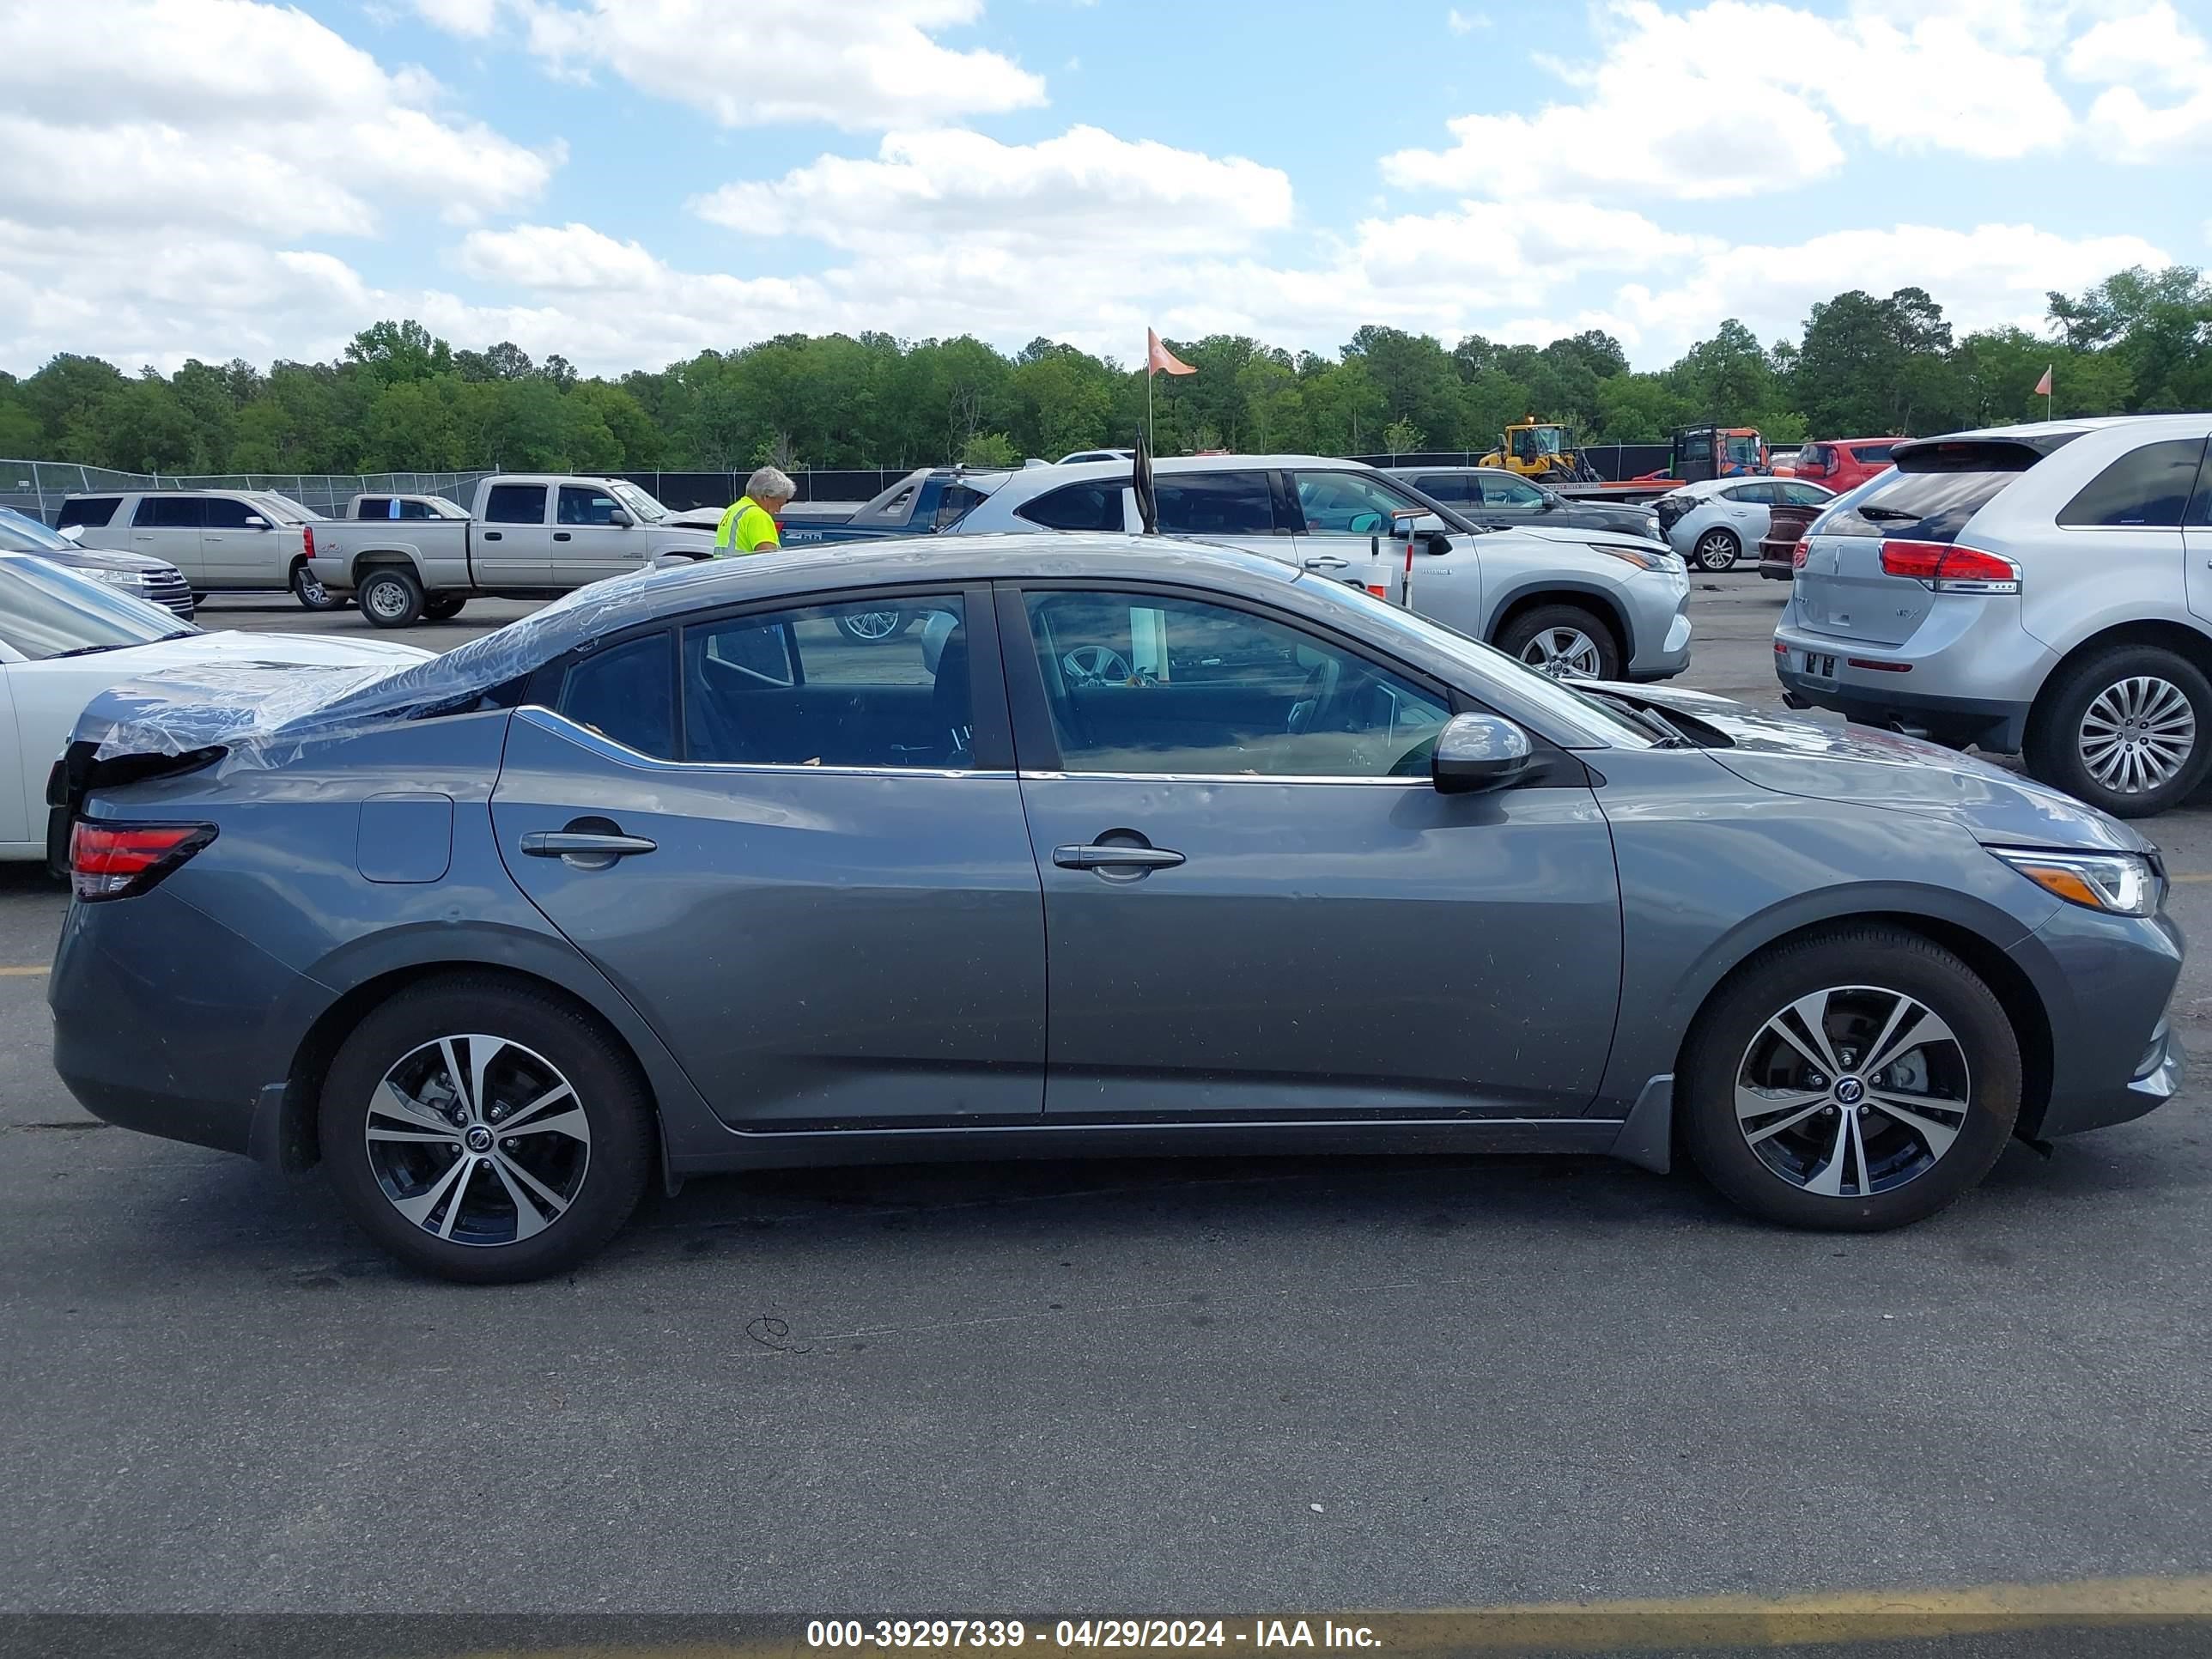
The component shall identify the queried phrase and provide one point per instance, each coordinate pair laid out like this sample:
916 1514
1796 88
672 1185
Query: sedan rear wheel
308 589
1860 1079
483 1132
2129 731
1717 549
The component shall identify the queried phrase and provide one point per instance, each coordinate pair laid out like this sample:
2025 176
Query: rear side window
1935 489
627 695
2148 488
516 504
223 513
91 511
1875 454
167 512
1216 504
957 501
1093 506
1461 488
375 507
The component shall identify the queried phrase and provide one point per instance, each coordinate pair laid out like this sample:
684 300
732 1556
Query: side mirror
72 533
1438 542
255 521
1477 753
619 519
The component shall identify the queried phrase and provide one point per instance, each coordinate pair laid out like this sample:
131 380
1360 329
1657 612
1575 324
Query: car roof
2156 425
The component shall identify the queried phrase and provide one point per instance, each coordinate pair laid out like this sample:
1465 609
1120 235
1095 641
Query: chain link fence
40 487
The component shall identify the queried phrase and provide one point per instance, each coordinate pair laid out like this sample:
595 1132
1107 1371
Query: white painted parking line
24 973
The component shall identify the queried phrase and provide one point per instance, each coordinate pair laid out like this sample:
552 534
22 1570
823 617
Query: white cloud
860 64
572 256
472 18
1740 97
1085 191
230 113
2154 50
1459 22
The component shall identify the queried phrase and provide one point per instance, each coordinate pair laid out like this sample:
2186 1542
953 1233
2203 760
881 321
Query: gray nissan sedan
1122 847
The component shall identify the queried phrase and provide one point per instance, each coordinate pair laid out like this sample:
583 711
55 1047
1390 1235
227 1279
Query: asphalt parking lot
1106 1389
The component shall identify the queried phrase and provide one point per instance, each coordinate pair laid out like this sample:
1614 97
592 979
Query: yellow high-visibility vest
747 527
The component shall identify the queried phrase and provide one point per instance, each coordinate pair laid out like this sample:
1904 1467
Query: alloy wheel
312 591
1716 551
478 1140
870 627
1852 1091
1565 654
2137 734
1095 665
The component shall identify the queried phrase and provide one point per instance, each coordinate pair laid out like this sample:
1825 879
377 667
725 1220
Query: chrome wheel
308 589
1565 654
1716 551
1852 1091
2138 735
871 627
386 600
477 1140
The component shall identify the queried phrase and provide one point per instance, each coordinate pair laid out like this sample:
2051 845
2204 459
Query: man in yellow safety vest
750 524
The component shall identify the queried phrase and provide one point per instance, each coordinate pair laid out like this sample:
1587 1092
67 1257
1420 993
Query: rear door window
1216 504
1875 454
2148 488
516 504
1460 488
1093 506
169 513
627 695
91 511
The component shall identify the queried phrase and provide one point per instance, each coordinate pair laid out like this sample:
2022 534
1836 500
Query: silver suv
1576 603
2044 590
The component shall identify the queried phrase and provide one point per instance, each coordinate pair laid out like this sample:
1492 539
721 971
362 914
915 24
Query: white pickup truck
533 535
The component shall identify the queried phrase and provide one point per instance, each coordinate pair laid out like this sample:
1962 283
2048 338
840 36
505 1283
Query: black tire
607 1089
444 607
307 588
1716 550
2055 732
1722 1045
1520 638
390 597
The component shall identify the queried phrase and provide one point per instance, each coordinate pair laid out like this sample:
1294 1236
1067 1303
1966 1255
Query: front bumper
2105 982
1659 626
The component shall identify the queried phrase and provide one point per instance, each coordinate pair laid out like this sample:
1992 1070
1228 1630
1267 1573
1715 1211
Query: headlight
2120 884
117 578
1642 558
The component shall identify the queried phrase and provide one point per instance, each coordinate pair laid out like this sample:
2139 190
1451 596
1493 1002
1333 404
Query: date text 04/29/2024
1125 1633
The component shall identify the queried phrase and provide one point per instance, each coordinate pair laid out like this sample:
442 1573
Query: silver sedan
1713 524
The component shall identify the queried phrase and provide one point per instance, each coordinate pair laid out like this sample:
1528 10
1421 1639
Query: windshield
47 612
20 533
1554 696
640 506
1743 450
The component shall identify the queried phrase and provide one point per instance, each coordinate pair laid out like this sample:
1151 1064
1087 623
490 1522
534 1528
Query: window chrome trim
562 726
1423 782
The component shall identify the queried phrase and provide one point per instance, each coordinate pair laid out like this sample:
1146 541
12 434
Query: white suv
2045 589
1588 604
223 540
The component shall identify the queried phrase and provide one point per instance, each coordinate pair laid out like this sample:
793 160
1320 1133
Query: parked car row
1130 845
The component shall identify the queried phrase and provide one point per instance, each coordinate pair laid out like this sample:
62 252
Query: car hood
1589 535
1863 765
100 558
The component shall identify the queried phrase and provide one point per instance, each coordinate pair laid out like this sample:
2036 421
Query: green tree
990 449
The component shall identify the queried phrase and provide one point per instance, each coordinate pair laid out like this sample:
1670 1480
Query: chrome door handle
1327 562
571 843
1095 857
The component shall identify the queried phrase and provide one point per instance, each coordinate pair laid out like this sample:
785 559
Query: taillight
109 859
1948 568
307 534
1799 554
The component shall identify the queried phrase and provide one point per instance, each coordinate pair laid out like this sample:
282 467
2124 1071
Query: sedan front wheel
1855 1080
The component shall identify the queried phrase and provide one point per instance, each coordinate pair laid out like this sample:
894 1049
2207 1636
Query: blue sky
626 181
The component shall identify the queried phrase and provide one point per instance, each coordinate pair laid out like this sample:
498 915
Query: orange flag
1158 360
2042 386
